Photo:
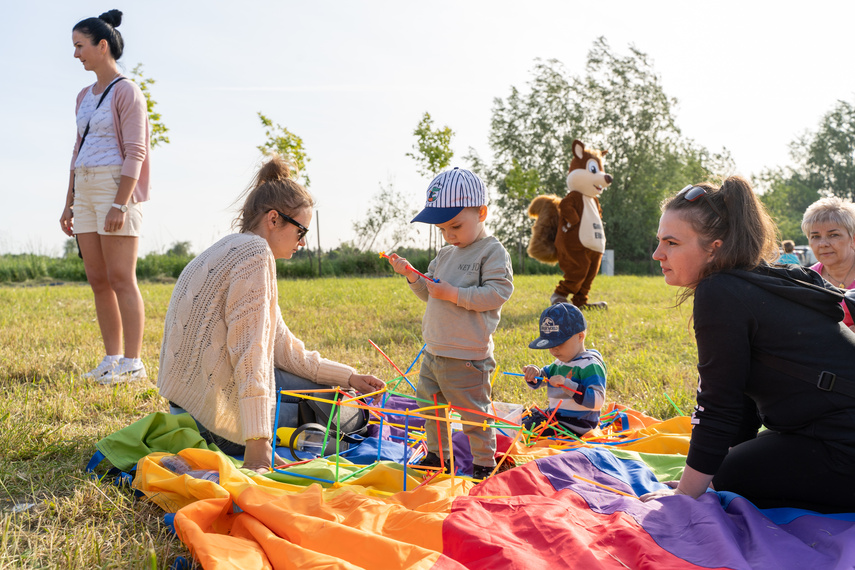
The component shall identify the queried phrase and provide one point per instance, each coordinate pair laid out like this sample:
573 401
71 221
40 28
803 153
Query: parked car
804 253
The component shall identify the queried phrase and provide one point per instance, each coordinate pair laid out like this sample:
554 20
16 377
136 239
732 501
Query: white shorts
94 193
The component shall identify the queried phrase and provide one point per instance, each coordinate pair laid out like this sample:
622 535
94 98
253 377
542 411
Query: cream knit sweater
223 335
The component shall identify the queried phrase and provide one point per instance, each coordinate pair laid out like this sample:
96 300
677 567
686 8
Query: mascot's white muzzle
588 183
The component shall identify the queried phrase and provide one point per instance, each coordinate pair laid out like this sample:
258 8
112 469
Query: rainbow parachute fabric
561 506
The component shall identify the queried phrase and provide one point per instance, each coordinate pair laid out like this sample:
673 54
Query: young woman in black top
771 352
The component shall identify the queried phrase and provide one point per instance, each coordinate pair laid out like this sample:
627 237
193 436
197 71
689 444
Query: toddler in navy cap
468 282
576 379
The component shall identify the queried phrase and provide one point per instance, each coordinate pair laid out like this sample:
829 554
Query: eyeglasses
692 193
301 229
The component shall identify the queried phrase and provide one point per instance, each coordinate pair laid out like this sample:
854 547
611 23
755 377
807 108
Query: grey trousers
464 383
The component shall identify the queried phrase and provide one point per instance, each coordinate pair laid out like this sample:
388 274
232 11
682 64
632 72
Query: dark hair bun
112 17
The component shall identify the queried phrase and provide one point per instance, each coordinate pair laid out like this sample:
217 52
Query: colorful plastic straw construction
542 378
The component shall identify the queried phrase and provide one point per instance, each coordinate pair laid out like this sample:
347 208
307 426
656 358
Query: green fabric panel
159 431
665 467
319 469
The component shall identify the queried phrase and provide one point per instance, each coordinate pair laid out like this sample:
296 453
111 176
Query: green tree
530 135
69 248
822 163
521 187
387 219
618 105
433 147
786 196
282 141
432 155
158 128
180 249
826 158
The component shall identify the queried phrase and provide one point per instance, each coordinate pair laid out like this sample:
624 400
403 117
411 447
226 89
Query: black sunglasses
692 193
301 229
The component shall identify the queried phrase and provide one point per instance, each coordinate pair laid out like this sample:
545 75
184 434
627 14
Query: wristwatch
122 207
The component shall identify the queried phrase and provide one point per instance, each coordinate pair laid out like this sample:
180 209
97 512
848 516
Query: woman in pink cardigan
108 182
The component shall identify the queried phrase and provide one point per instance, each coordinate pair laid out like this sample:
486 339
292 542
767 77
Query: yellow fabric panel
671 436
170 491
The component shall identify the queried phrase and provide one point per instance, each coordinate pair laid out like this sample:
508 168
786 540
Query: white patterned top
99 148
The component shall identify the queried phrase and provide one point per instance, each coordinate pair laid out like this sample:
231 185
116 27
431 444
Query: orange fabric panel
199 526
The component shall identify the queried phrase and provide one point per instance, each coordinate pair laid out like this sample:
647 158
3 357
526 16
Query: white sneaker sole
110 378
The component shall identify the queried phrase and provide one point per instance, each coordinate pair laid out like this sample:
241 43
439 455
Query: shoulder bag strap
101 100
827 381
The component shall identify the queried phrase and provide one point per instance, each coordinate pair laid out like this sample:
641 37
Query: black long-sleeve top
738 312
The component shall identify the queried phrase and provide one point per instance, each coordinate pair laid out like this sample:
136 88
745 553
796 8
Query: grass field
53 516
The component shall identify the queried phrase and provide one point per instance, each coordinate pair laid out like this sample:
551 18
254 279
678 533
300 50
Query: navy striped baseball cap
449 193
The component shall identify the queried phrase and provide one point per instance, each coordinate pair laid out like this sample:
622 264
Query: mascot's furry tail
542 245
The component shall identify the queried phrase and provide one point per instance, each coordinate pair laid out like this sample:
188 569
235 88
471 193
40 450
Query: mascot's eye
593 166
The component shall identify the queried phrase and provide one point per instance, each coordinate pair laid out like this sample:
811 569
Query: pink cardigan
130 118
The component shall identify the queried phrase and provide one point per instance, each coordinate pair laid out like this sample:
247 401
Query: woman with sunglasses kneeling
771 351
226 351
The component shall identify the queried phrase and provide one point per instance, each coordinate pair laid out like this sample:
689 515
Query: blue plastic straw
406 448
407 371
275 428
380 434
518 374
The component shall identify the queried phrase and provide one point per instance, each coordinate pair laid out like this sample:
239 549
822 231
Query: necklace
845 276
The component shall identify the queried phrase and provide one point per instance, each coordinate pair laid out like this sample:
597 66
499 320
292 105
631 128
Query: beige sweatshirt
223 335
482 271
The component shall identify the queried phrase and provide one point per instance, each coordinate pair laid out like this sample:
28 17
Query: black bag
354 421
314 415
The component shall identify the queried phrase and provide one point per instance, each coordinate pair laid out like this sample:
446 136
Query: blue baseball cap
449 193
557 324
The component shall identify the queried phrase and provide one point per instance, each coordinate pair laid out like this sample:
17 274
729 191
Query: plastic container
207 474
310 441
181 466
176 464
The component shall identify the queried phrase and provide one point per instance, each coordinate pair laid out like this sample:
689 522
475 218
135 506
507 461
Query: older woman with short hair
829 225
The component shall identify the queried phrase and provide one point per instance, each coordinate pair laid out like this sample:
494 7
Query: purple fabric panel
826 534
701 531
462 452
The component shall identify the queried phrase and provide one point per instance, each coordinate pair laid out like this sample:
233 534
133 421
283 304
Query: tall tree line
618 104
822 164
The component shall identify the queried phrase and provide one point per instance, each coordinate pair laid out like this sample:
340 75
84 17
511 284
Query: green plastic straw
679 411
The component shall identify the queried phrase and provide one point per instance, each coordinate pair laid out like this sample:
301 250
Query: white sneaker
106 365
124 371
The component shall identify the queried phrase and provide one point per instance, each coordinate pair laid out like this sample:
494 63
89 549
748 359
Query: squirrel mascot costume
569 230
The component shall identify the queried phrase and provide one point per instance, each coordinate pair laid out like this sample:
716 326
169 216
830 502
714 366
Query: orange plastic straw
606 487
395 366
505 456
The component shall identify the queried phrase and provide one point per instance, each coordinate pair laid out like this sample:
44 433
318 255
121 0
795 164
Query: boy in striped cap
469 281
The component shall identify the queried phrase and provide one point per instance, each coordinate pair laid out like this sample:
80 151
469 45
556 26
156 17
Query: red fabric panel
541 528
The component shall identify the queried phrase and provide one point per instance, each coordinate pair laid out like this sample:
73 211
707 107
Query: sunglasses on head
692 193
301 229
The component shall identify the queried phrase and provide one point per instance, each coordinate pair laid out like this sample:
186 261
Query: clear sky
353 78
